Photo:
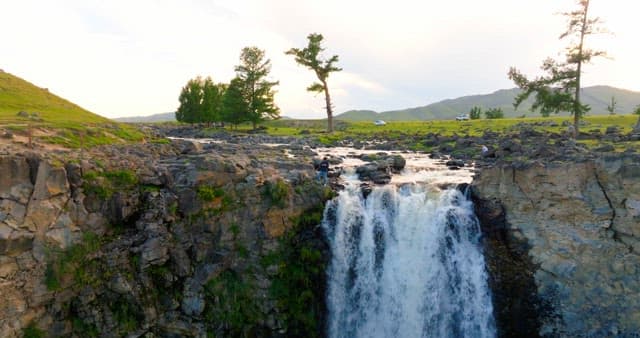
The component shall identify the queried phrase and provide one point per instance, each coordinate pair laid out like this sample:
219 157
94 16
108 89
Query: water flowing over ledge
406 259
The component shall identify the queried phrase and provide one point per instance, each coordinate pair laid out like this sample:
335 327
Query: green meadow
596 123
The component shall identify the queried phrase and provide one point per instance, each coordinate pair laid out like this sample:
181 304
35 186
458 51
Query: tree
636 111
190 99
200 101
559 90
212 95
235 109
257 92
310 58
494 113
611 108
475 113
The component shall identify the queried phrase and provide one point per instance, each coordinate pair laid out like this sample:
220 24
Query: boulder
398 163
13 242
154 251
15 179
50 182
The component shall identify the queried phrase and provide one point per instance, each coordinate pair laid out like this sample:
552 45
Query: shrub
475 113
208 193
230 303
105 184
277 192
122 178
32 331
72 260
299 285
494 113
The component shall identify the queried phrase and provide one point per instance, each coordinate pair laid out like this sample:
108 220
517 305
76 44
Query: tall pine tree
559 89
258 92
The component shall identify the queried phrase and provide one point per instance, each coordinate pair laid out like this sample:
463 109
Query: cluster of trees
249 97
491 113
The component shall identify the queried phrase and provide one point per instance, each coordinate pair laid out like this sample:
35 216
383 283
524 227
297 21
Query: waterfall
406 262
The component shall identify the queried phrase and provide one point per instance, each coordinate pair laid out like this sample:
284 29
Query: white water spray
406 263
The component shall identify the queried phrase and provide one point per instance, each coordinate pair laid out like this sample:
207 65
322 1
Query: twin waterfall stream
406 260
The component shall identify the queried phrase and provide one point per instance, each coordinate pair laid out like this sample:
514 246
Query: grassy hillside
18 95
358 115
25 107
598 97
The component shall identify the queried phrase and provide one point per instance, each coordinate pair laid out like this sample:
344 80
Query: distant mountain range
163 117
598 97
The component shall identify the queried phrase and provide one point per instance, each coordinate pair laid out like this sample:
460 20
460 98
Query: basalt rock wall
563 246
161 240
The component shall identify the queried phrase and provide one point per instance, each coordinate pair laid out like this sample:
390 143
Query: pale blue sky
124 58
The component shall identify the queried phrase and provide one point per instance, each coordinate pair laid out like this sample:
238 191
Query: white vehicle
462 117
379 123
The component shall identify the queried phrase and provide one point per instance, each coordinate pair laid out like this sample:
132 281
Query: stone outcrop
379 167
158 240
564 245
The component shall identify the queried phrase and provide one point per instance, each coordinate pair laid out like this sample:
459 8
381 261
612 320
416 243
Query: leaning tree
559 89
310 57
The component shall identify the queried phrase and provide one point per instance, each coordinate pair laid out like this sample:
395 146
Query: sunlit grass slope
18 95
55 120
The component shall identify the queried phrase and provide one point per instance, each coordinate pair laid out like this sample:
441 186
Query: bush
494 113
277 192
105 184
32 331
72 260
475 113
230 303
208 193
299 285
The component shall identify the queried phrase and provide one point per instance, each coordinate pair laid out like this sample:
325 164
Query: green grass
18 95
230 302
366 129
32 331
105 184
73 261
65 123
277 192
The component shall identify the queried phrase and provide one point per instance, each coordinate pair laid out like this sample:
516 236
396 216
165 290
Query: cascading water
406 263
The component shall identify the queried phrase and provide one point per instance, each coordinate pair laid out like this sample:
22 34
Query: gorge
185 239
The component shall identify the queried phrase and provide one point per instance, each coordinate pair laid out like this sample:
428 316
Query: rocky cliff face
564 246
161 240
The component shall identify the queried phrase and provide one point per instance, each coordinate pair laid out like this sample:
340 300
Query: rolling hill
18 95
162 117
598 97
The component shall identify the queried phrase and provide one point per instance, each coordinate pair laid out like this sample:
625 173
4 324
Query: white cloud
120 58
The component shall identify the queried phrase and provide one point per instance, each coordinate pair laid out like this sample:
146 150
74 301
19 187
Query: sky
122 58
